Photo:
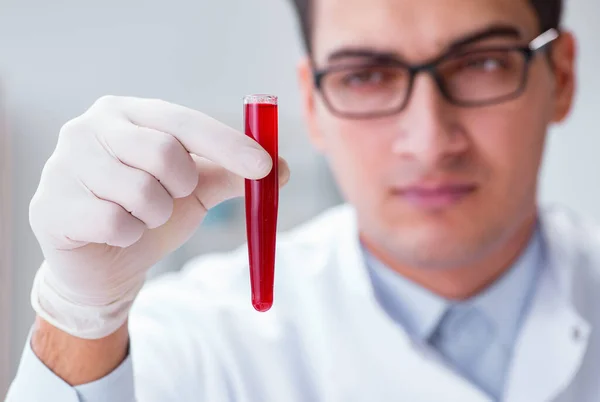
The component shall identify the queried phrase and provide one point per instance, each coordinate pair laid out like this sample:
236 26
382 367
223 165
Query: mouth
434 196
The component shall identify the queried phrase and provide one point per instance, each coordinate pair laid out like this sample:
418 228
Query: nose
429 129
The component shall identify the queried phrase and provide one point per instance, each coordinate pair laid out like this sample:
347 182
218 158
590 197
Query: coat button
576 334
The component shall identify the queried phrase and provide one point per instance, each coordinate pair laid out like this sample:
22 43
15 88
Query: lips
435 196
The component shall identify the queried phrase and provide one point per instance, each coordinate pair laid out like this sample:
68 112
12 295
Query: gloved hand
129 182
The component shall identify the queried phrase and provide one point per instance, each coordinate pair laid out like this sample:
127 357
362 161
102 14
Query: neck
464 282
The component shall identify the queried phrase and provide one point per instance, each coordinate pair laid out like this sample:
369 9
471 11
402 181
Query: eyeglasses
468 78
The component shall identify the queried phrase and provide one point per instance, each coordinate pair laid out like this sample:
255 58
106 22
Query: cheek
509 139
356 151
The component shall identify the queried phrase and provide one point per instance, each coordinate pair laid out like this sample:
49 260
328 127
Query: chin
435 243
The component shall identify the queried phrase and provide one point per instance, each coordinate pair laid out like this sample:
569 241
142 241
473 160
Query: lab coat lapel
554 337
393 366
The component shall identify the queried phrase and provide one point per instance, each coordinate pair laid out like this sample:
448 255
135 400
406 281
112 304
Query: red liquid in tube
262 200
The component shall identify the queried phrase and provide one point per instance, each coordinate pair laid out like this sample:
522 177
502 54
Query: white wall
572 164
5 249
57 57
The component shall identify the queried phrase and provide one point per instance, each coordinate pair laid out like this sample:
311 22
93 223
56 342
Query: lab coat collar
349 254
506 300
554 337
417 309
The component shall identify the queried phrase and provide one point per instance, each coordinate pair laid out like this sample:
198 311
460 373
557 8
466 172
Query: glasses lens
366 90
483 76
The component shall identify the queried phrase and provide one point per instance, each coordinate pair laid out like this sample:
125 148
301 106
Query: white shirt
195 336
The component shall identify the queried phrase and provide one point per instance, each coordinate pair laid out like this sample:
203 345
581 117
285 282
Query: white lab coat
195 336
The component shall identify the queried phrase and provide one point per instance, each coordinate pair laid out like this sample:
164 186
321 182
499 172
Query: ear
564 54
308 93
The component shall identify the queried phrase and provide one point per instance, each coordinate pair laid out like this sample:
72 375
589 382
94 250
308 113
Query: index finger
201 135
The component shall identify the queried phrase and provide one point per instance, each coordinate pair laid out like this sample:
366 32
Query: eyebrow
491 32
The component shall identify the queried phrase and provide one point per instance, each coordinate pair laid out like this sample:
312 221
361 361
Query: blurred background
57 58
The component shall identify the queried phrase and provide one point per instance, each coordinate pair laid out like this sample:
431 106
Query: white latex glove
129 182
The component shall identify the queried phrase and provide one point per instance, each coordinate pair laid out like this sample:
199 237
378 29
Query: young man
440 280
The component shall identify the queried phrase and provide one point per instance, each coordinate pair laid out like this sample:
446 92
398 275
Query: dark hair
549 14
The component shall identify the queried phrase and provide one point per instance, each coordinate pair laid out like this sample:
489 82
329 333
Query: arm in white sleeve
35 382
178 349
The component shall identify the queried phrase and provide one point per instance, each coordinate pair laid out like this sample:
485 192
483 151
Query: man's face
435 185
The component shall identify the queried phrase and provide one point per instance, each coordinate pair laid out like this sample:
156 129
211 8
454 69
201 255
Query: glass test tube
262 200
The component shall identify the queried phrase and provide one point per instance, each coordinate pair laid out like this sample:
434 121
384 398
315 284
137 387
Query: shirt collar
505 302
415 307
419 311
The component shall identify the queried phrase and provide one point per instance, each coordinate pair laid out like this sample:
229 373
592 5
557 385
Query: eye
486 64
367 77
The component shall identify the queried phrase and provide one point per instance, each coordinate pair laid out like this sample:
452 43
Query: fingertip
128 234
284 172
257 163
186 185
162 216
124 242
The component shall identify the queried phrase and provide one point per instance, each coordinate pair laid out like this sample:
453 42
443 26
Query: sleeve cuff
117 386
36 382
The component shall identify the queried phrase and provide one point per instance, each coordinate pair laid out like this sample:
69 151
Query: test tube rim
260 99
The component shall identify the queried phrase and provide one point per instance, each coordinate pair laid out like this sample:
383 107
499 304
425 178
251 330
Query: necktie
465 337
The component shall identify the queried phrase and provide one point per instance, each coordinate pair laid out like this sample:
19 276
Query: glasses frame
537 45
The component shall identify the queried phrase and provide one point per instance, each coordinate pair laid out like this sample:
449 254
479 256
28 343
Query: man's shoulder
564 226
574 239
316 236
301 254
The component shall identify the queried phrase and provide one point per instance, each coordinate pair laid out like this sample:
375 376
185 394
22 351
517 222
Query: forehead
415 28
